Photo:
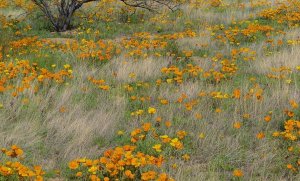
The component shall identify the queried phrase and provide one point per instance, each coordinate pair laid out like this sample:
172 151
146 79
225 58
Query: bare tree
60 12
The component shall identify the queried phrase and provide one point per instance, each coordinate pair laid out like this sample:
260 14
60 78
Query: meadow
207 92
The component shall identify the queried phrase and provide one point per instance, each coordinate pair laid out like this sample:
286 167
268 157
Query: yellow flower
176 143
198 116
186 157
216 3
276 134
120 132
139 112
174 166
164 101
157 147
132 75
151 110
201 135
218 110
104 87
246 116
293 104
93 169
288 81
67 66
169 81
181 134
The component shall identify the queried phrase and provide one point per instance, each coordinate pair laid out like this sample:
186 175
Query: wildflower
129 174
132 75
158 82
293 104
198 116
164 101
67 66
290 113
260 135
163 177
165 138
176 143
216 3
202 94
151 110
14 152
73 165
25 101
104 87
291 167
150 175
218 110
94 178
174 166
290 148
237 93
93 169
201 135
267 118
276 134
62 109
237 125
181 134
120 132
146 126
246 116
79 174
238 173
188 53
158 119
169 81
157 147
168 124
186 157
139 112
288 81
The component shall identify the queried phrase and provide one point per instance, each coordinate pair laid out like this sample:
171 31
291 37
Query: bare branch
61 20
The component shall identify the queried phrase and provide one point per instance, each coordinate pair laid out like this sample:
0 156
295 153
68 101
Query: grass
76 119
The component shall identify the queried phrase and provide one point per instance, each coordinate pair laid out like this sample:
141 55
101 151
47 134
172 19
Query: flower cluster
123 163
290 135
12 168
29 74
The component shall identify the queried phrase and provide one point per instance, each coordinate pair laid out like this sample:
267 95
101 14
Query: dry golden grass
131 70
78 119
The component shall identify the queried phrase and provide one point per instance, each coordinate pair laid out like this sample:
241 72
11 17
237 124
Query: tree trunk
63 23
64 19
